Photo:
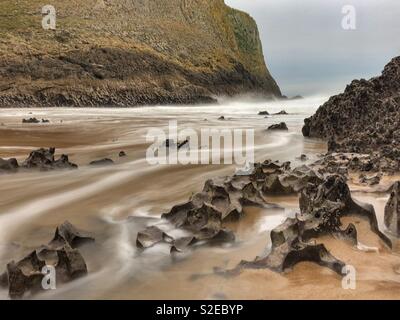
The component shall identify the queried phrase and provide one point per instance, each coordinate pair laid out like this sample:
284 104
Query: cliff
129 52
363 119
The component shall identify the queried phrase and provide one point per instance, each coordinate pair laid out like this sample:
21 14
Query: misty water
115 202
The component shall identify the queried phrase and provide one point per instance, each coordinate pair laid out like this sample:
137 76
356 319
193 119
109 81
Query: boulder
9 165
26 274
280 126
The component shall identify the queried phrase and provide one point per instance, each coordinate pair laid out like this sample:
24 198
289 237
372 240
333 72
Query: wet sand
115 202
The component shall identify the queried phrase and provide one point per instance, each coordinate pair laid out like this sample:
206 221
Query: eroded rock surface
223 200
321 208
44 160
364 119
26 274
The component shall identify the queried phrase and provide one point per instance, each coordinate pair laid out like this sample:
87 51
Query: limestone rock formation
125 53
321 207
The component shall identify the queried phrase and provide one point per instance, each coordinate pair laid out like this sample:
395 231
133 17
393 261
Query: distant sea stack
126 53
363 119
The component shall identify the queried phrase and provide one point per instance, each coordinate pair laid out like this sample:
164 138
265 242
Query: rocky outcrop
321 208
44 160
222 200
26 275
280 126
392 210
41 159
363 119
125 53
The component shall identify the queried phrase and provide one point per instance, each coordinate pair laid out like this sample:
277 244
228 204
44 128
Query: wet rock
281 126
122 154
26 275
66 233
392 210
101 162
274 184
30 120
9 165
283 112
45 121
221 118
263 113
43 159
321 208
151 236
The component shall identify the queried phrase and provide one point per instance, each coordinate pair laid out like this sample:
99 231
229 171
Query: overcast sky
307 50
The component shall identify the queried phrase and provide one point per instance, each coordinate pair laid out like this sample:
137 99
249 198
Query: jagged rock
263 113
30 120
170 143
66 233
274 185
122 154
26 275
321 208
364 119
289 249
70 264
392 210
101 162
151 236
43 159
9 165
45 121
323 205
281 126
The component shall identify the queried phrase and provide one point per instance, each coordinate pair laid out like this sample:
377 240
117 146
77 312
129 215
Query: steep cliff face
129 52
363 119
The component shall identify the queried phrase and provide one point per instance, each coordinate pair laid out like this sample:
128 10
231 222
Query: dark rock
10 165
221 118
43 159
66 233
26 275
280 126
151 236
283 112
122 154
30 120
392 210
365 119
101 162
263 113
45 121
